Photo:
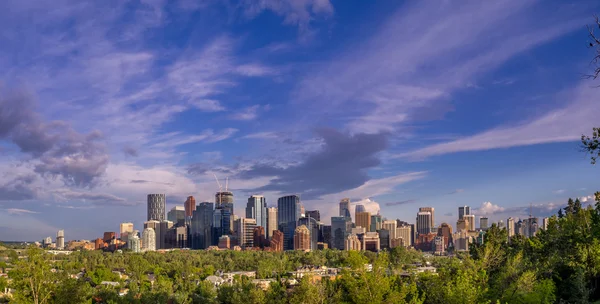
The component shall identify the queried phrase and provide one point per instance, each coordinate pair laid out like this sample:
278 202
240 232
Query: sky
394 104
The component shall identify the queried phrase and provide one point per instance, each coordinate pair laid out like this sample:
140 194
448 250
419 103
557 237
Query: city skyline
101 106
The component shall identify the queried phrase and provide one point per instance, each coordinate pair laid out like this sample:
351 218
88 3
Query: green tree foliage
33 278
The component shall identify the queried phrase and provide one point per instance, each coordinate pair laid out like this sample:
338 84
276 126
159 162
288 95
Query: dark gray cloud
203 168
341 164
129 151
410 201
456 191
19 189
57 150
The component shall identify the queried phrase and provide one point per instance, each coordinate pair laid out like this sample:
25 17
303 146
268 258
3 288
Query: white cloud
249 113
261 135
255 69
488 208
16 211
208 105
559 191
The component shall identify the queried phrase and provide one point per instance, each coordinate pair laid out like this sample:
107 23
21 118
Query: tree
33 278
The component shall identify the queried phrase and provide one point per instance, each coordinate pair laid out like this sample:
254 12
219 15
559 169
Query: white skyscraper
60 239
471 221
405 233
391 227
545 223
148 239
271 221
510 226
133 242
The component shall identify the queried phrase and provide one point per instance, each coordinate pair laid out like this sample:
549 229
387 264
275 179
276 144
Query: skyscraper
462 211
376 221
510 226
156 207
424 222
60 239
340 228
224 199
302 238
359 208
405 233
124 230
245 231
313 228
471 221
271 221
314 214
221 224
133 242
201 226
257 209
545 221
483 223
345 208
177 215
190 206
390 226
288 214
148 239
363 219
431 210
161 236
445 231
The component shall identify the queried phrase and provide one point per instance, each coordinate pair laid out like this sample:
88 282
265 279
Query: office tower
133 242
221 224
177 216
371 242
256 208
314 214
148 239
313 228
545 221
390 226
340 228
177 237
189 206
259 237
462 211
510 226
461 240
108 237
277 241
60 239
424 222
345 208
352 242
359 208
125 229
161 234
376 221
363 219
325 235
431 211
271 221
302 238
245 232
224 242
201 226
445 231
483 223
288 214
404 233
384 238
470 221
156 207
224 199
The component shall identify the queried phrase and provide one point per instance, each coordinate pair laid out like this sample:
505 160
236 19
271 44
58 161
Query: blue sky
394 104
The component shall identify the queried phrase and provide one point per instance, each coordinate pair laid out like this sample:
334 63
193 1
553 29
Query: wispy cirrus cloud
17 211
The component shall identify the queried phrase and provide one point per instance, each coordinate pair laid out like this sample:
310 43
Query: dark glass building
257 209
201 226
314 214
288 214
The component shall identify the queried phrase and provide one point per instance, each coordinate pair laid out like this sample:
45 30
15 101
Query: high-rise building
177 237
462 211
470 219
256 208
376 221
288 214
445 230
359 208
224 200
245 231
157 204
189 206
483 223
545 223
363 219
424 222
325 235
302 238
124 230
462 224
148 239
461 240
60 239
276 242
345 208
133 242
314 214
431 210
351 242
259 237
384 238
221 224
404 233
271 221
390 225
313 228
510 226
340 228
161 236
201 226
371 242
177 215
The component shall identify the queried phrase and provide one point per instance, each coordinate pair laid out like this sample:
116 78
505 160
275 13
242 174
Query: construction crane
218 184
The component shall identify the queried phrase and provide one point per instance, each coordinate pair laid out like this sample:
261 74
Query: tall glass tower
156 207
288 214
201 226
257 209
